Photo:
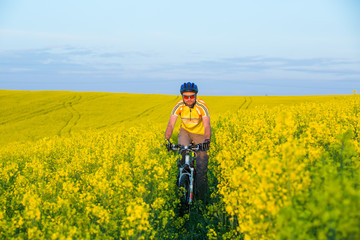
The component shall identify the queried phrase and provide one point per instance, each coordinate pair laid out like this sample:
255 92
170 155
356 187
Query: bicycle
187 173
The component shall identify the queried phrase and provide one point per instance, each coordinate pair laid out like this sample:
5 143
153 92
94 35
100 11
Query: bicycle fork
191 185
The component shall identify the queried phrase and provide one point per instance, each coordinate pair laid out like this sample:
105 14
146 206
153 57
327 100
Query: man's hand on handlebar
204 146
169 145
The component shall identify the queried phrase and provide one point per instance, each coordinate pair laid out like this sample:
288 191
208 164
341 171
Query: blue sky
228 47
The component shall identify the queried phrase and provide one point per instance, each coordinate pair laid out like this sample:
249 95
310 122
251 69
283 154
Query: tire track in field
146 111
43 111
32 114
242 103
74 116
143 113
250 102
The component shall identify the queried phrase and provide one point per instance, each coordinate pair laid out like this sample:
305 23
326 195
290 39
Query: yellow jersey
191 118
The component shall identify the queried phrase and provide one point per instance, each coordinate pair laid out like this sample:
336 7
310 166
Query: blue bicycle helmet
188 87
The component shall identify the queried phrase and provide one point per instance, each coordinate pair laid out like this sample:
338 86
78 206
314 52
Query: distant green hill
31 115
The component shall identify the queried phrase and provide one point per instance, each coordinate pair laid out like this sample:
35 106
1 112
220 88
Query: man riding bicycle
195 128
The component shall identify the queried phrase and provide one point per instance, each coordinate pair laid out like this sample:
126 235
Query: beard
190 105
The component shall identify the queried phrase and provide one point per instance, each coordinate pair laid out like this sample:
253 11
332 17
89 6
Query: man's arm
170 126
206 121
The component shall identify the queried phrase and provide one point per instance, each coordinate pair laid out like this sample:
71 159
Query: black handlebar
182 147
190 147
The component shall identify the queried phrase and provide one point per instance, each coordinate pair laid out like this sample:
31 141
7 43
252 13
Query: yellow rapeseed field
77 165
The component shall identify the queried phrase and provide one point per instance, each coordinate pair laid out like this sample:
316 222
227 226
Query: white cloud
69 67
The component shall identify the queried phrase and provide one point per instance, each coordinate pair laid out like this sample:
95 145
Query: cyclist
195 128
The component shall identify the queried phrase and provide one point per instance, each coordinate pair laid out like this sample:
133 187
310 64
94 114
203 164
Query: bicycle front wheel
184 191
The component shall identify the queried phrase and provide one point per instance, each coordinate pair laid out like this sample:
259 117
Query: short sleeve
203 108
177 109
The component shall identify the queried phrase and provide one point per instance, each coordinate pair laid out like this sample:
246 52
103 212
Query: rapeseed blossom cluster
109 184
291 172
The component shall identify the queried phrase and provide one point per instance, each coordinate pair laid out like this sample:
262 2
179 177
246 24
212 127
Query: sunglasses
189 96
